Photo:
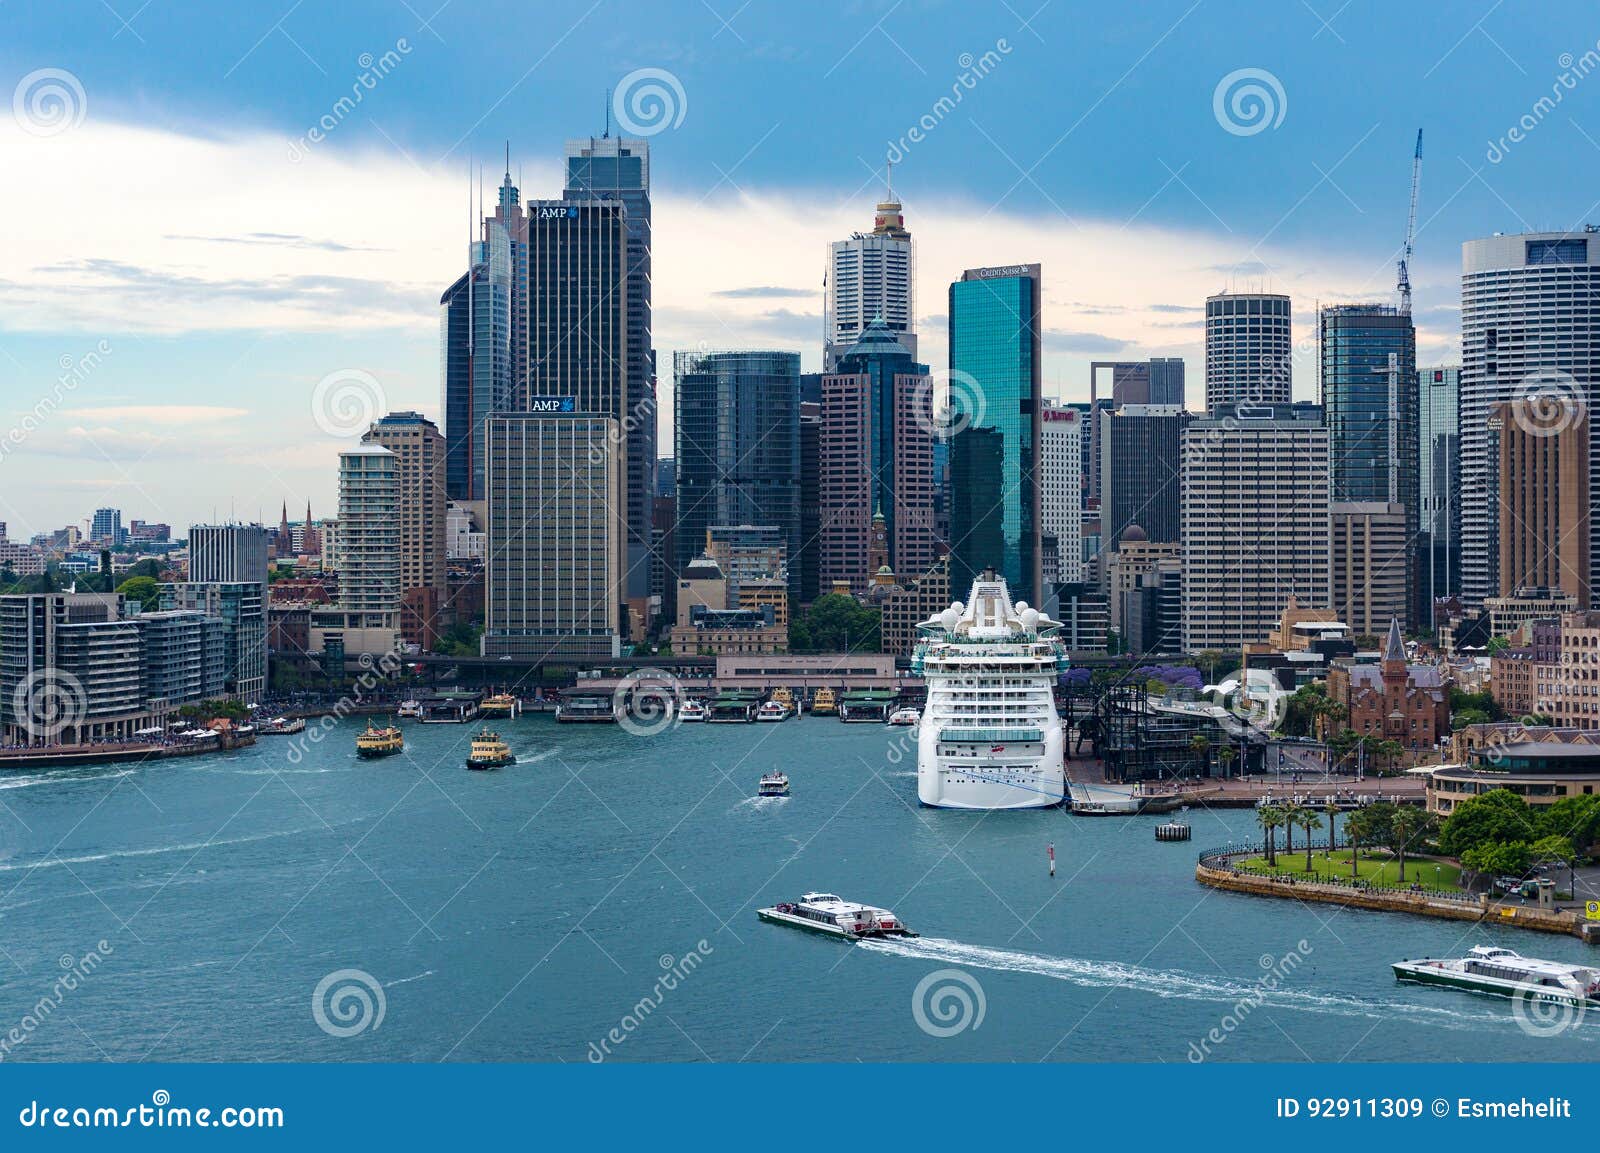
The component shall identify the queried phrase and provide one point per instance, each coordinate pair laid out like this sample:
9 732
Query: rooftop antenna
508 160
888 176
607 134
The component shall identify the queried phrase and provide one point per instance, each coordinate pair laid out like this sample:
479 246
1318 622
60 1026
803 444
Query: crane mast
1411 230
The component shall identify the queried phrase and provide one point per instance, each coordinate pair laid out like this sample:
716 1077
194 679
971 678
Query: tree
1407 825
1200 746
835 623
1291 817
144 589
1356 833
1496 816
1575 818
1226 755
1497 858
1270 818
1461 718
1309 821
1332 811
1552 850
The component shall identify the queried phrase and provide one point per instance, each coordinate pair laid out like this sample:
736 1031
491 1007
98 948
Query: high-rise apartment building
419 453
1255 521
871 277
995 337
808 561
1530 328
738 446
228 552
105 529
554 589
366 618
876 457
1061 486
240 608
1249 349
1542 448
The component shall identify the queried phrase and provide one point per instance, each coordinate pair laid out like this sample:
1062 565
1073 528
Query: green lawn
1376 868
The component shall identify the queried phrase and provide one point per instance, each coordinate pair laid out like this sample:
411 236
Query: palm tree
1226 756
1291 816
1308 820
1356 827
1407 825
1270 817
1332 811
1201 748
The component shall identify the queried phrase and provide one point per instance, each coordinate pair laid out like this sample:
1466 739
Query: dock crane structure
1411 230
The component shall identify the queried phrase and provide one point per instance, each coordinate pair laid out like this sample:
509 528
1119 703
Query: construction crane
1411 230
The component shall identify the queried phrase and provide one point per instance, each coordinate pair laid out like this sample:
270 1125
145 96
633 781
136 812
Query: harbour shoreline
66 756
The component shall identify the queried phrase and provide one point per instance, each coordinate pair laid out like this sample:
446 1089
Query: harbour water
605 887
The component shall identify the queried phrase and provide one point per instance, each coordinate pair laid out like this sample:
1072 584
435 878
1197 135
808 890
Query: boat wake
759 803
537 757
1174 983
60 777
52 861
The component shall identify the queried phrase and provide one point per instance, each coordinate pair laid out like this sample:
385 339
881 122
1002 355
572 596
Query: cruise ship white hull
1011 780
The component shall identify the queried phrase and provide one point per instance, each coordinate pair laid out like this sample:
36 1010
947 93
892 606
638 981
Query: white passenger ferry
990 737
1490 969
836 917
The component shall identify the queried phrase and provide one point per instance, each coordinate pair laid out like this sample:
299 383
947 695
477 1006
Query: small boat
376 742
1503 973
410 710
692 710
489 751
824 703
773 784
773 711
784 697
836 917
904 717
500 705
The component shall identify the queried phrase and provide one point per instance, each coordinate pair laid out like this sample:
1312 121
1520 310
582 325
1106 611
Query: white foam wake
537 757
1174 983
53 860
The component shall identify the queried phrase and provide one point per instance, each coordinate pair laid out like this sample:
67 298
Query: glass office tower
1369 394
994 404
1439 453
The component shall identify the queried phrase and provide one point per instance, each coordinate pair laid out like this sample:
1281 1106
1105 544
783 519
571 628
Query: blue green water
525 914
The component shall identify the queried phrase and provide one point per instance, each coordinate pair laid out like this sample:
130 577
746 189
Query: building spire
1394 648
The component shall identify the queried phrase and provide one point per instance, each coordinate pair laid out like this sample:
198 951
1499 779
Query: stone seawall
1483 910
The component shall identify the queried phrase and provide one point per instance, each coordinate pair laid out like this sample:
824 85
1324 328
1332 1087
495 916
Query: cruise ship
989 736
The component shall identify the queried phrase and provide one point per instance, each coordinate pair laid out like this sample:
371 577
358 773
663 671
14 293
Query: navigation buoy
1052 858
1172 831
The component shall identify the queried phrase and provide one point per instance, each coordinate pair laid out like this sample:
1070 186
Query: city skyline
317 283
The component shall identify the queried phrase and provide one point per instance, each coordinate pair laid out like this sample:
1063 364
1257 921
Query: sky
216 268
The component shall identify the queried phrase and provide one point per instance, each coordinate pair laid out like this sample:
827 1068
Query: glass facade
1439 451
1369 395
738 446
475 372
994 403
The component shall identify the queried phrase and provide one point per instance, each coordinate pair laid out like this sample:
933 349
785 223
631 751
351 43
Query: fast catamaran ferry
989 736
1490 969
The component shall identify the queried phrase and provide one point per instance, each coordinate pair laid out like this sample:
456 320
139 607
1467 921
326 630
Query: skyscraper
106 527
738 446
871 276
1061 486
994 454
1370 549
419 460
1530 327
554 572
618 169
1255 521
1140 458
1439 461
475 356
1249 349
1115 383
1542 453
876 457
1368 383
366 617
228 552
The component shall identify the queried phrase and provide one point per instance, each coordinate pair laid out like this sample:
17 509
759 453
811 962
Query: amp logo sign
552 404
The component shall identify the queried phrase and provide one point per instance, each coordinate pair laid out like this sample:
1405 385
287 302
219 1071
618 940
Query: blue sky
230 280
